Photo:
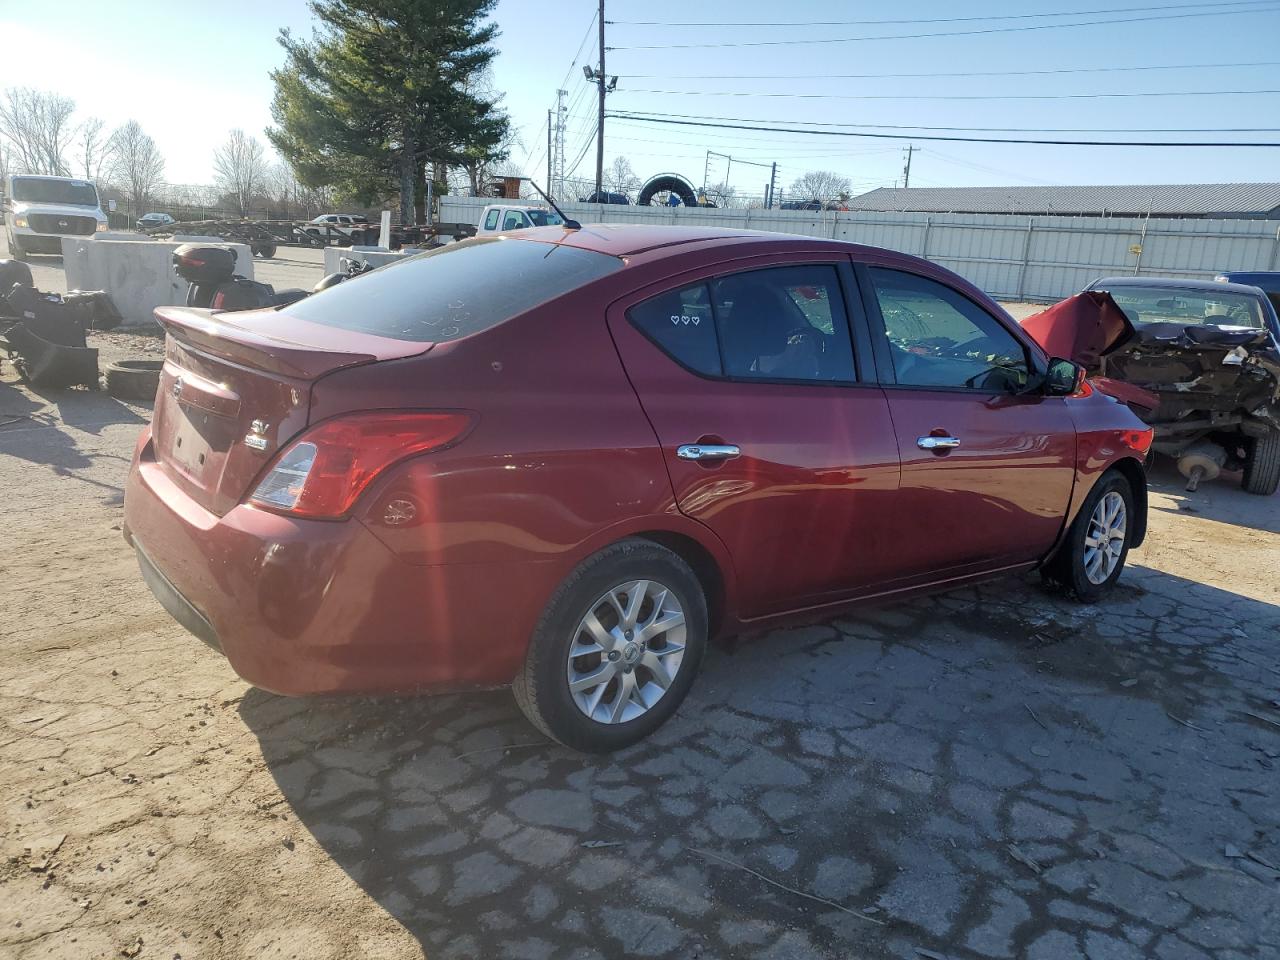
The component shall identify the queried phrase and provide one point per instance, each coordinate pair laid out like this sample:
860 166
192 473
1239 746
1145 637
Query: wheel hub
626 651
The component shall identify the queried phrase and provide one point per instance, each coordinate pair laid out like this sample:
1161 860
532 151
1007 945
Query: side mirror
1063 377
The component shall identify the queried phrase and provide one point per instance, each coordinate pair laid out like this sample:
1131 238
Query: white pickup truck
40 211
503 218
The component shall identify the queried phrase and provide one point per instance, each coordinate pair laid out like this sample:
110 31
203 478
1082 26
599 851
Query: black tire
264 250
1262 467
16 251
1067 567
541 688
674 184
134 379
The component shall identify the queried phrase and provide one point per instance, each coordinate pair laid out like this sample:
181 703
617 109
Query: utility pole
549 158
600 82
773 179
558 150
906 171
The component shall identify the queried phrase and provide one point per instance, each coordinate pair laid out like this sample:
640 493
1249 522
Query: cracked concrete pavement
992 772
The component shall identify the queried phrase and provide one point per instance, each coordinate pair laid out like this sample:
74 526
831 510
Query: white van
503 218
40 211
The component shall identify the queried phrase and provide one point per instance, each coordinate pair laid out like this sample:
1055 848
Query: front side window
513 220
940 338
780 323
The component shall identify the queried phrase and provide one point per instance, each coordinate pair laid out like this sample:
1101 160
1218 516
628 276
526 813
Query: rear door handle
937 443
707 451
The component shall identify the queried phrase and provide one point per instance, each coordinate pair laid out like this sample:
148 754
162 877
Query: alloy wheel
1104 540
626 651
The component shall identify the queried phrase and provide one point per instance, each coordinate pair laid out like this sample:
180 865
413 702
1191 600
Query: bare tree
821 185
93 151
240 169
621 178
38 126
136 164
723 195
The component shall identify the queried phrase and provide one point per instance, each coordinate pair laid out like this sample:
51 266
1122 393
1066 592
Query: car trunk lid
235 387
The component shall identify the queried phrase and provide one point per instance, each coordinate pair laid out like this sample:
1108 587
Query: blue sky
123 60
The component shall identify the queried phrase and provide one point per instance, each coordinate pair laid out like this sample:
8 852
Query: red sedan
565 459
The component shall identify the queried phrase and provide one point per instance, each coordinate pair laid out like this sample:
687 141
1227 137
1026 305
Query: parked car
351 225
564 459
606 197
504 217
146 221
1208 352
40 211
1268 281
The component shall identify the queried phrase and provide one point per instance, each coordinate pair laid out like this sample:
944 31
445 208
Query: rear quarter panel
1108 435
560 460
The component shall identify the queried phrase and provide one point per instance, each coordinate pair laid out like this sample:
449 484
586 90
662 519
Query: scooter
214 284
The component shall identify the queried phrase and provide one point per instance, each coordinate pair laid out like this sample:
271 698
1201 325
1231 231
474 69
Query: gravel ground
992 772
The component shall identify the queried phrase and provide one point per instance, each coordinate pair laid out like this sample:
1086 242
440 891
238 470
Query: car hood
21 208
1084 328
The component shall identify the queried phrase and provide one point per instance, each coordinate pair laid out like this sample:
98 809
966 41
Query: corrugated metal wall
1012 257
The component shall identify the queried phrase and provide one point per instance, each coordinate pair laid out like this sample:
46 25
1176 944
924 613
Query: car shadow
39 426
1222 499
884 762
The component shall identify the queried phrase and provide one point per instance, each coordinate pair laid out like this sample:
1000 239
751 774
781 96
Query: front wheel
616 649
1262 466
16 251
1091 558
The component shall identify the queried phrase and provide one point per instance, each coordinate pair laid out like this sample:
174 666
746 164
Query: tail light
322 473
1138 441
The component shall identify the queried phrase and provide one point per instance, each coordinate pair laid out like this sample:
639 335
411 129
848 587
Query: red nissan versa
565 459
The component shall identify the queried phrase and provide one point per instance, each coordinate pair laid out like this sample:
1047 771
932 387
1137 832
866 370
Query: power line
950 33
582 46
874 23
926 76
892 136
952 96
650 116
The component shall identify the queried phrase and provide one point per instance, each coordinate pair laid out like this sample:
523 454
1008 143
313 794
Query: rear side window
491 220
455 290
681 323
781 323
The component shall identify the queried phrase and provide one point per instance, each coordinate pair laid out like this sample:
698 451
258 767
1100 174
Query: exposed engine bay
1217 383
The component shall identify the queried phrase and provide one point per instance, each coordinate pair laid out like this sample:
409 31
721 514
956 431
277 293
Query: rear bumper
313 607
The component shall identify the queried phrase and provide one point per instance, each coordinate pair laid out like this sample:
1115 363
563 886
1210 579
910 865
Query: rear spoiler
237 336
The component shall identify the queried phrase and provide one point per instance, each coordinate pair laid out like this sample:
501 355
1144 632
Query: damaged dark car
1209 355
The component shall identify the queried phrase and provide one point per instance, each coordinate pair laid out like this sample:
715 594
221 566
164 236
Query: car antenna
569 222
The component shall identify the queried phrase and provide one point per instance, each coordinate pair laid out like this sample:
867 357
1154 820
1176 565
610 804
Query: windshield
1171 305
541 218
76 193
454 290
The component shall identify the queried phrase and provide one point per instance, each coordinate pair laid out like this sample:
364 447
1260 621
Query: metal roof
1174 198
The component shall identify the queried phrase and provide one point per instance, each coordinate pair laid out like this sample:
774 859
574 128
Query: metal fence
1011 257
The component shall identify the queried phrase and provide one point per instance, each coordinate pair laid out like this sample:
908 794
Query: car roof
1173 283
624 240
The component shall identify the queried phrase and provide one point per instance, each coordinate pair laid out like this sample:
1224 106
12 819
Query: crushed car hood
1084 328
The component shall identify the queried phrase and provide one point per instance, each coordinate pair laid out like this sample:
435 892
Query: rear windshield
456 290
76 193
1171 305
541 218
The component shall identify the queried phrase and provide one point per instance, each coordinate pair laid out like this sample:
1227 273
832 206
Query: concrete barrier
138 274
374 255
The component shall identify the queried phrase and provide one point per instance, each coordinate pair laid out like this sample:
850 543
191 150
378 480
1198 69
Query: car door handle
937 443
707 451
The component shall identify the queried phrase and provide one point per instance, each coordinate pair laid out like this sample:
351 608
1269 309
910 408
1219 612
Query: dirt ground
992 772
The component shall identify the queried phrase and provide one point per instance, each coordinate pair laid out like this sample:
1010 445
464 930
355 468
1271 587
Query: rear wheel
1090 560
616 649
1262 466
